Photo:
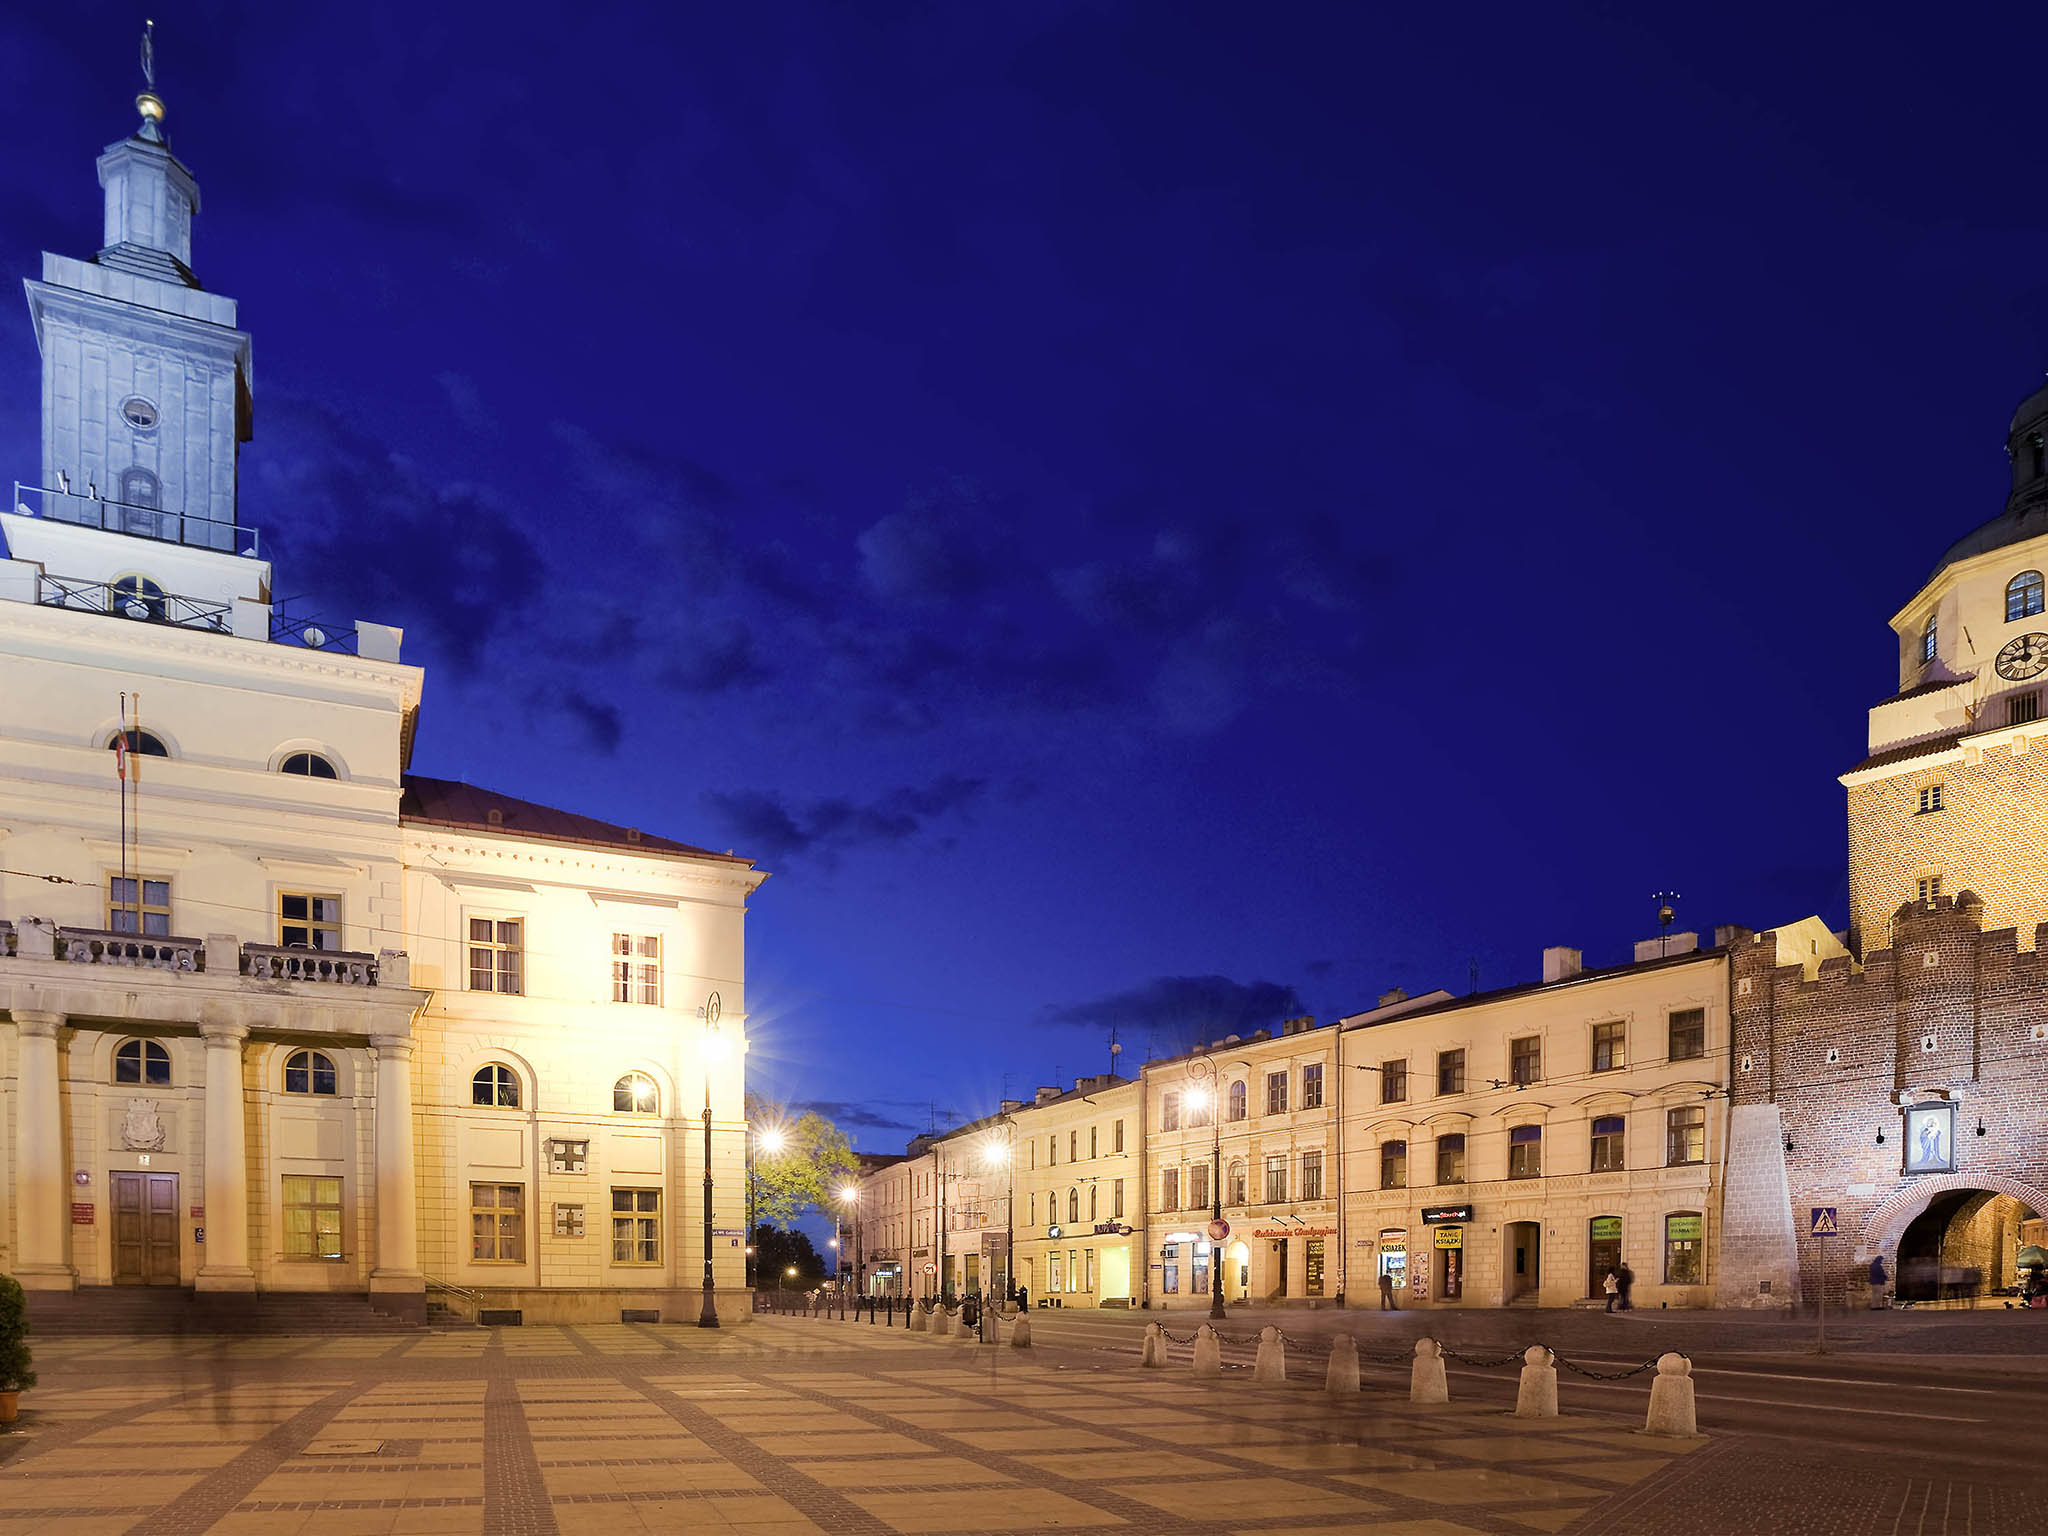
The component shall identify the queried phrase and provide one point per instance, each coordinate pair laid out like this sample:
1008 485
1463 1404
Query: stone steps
169 1309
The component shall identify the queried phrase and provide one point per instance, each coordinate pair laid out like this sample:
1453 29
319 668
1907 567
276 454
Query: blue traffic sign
1824 1221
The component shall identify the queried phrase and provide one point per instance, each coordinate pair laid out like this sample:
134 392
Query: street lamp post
849 1195
708 1316
1203 1071
769 1139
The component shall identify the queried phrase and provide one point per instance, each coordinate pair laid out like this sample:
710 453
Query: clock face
2023 658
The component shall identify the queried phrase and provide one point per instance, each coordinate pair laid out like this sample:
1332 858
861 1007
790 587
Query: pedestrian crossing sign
1824 1221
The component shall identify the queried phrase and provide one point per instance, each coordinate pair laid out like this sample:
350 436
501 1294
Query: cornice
500 852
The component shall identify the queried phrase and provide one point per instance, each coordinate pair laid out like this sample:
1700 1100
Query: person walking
1627 1277
1612 1286
1387 1292
1877 1279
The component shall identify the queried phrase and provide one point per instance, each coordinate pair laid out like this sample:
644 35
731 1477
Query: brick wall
1949 1013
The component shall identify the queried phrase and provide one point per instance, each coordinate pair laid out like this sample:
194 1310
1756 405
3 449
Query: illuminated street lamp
999 1150
770 1139
714 1048
849 1196
1203 1095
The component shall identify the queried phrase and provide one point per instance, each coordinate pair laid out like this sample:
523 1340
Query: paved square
781 1427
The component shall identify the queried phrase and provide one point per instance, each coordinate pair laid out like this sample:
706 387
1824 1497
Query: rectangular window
1930 799
1312 1086
1610 1046
1525 1060
1169 1269
1276 1093
1052 1151
1201 1107
1093 1191
1450 1159
1929 889
308 922
1393 1082
1608 1136
1688 1034
1031 1211
497 1223
1169 1189
494 955
1684 1238
312 1217
1393 1165
1276 1179
1116 1136
636 968
2023 709
1311 1175
1116 1196
1073 1146
1525 1152
568 1156
151 914
1450 1072
1091 1142
1685 1133
1169 1112
1237 1184
1198 1185
636 1226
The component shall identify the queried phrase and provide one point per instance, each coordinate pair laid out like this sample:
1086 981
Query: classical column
396 1282
226 1260
40 1185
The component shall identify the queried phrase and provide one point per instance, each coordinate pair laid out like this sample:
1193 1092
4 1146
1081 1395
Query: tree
775 1251
799 1164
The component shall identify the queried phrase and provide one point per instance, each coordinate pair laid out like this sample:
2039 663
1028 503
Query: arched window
140 742
2023 596
1236 1186
1091 1202
136 597
311 764
634 1094
496 1085
140 488
1237 1101
1928 637
142 1061
1073 1205
310 1072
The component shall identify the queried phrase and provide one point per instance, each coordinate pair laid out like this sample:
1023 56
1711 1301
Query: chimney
1045 1093
1300 1026
1728 935
1011 1106
1560 963
1392 996
1669 944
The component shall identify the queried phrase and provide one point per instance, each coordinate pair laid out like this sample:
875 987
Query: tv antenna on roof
1116 1049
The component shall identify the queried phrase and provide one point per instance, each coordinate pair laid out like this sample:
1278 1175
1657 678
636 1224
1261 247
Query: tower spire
149 104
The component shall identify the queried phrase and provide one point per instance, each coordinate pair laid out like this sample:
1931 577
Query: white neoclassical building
286 1017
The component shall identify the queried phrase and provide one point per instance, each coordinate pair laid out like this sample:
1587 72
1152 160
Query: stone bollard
1208 1352
1154 1352
1270 1369
1536 1398
1426 1380
1341 1378
942 1323
1020 1332
920 1320
1671 1405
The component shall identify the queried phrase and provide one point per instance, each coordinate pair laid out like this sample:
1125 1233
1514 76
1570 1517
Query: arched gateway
1929 1233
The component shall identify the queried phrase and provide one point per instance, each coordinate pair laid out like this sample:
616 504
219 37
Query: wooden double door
145 1229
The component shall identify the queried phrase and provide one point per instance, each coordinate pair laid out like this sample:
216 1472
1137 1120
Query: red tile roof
1910 750
451 803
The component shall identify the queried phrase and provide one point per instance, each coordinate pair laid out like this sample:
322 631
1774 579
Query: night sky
1165 516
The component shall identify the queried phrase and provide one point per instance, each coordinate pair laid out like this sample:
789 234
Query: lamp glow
773 1138
848 1193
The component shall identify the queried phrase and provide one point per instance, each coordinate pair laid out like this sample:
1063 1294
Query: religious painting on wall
1931 1138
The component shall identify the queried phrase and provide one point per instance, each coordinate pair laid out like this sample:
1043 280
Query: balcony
132 597
335 967
149 952
144 522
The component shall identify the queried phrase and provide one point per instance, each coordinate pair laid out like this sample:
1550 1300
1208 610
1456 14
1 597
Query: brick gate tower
1899 1073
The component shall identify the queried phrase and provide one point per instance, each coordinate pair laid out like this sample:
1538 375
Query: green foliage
15 1375
776 1251
805 1174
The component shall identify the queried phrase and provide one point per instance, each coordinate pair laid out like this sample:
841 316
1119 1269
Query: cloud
870 1115
934 551
1320 967
601 722
779 829
720 657
467 402
1184 1009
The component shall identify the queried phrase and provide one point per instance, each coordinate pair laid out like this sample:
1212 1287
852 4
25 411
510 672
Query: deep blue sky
1148 515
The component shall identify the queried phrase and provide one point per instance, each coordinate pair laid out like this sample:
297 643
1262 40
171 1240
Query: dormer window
311 764
1927 639
140 488
2023 595
141 742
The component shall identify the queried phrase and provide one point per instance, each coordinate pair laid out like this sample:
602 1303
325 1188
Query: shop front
1446 1281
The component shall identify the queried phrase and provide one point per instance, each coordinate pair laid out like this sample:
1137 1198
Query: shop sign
1606 1229
1450 1237
1684 1229
918 1253
1435 1215
1112 1229
81 1213
1055 1231
1275 1233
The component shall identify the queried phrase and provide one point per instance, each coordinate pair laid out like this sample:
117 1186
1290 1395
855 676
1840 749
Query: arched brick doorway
1946 1195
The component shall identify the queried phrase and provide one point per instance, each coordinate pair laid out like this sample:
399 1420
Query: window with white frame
636 968
496 954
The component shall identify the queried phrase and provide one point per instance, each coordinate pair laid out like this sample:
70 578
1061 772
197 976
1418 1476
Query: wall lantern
1980 1125
1880 1136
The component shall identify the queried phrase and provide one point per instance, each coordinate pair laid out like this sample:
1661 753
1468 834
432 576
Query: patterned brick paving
788 1427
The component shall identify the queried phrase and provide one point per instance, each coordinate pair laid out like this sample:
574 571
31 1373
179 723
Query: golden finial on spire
149 104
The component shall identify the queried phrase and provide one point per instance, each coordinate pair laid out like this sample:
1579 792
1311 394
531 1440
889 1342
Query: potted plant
16 1377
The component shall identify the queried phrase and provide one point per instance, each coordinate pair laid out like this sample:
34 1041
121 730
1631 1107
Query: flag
121 755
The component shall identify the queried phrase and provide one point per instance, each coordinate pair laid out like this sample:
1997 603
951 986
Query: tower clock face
2024 657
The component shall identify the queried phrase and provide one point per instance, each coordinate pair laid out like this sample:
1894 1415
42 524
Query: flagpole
135 818
121 785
